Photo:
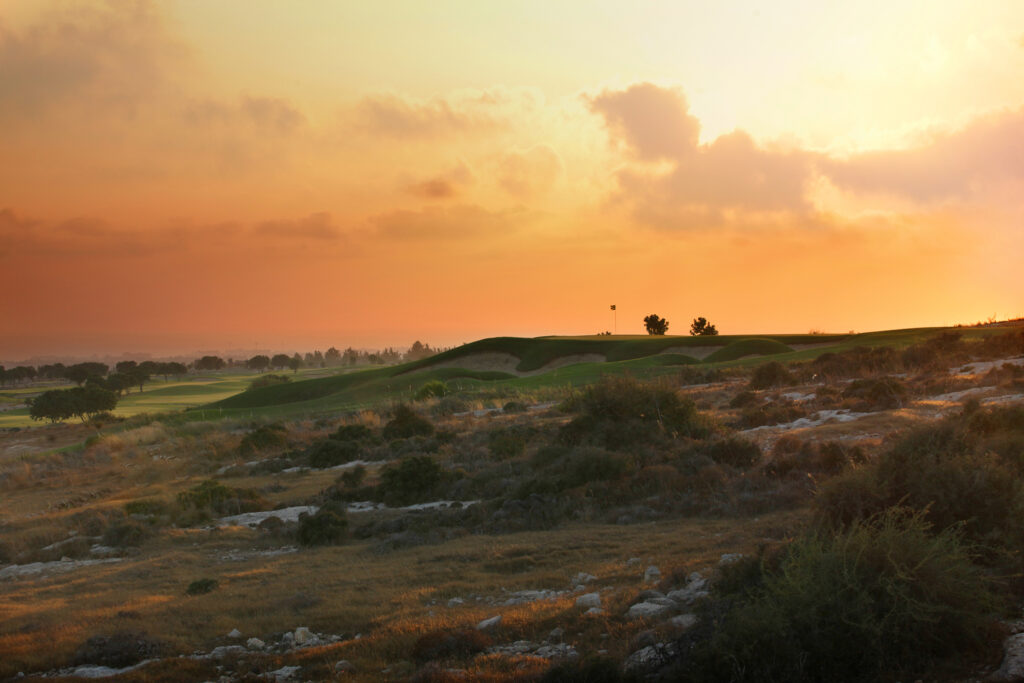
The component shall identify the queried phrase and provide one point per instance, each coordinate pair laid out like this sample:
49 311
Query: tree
172 368
125 366
81 402
702 328
294 363
280 361
655 325
258 363
209 363
333 356
79 372
137 376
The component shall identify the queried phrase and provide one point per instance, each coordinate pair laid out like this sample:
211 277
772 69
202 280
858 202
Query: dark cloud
951 166
435 188
265 114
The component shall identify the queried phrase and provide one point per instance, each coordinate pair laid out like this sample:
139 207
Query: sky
187 175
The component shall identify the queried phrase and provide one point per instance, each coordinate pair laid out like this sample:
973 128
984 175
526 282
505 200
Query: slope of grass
748 347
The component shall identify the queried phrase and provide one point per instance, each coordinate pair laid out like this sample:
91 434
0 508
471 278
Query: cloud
653 123
951 166
444 185
316 226
266 114
705 184
402 118
111 55
529 172
443 223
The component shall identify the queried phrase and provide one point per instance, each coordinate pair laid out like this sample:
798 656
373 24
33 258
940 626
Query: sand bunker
698 352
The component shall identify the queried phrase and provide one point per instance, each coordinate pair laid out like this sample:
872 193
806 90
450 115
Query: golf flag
613 307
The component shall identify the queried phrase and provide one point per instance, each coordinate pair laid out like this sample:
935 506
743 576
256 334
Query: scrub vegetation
845 513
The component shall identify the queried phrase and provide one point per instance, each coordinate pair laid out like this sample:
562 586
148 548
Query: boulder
582 579
589 600
488 624
343 666
652 574
302 636
647 610
235 633
594 612
255 644
649 659
1012 668
684 621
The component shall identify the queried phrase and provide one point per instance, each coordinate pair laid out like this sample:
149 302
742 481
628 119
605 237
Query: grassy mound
748 347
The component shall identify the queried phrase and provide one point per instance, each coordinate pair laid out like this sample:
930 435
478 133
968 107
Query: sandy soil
698 352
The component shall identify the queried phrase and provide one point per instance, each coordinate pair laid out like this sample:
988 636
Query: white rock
556 635
652 574
1012 668
455 602
490 623
344 666
302 635
589 600
255 644
647 610
582 579
284 673
559 651
235 633
684 621
594 612
729 558
633 561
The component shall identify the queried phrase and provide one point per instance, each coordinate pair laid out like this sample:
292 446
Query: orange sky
188 175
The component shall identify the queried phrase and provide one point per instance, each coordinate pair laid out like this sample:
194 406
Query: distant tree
209 363
118 383
318 359
333 356
172 368
655 325
351 356
150 367
55 371
280 360
294 363
700 327
258 363
419 350
125 366
136 376
79 372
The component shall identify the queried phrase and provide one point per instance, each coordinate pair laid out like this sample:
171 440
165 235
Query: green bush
268 380
406 423
355 432
212 496
773 374
877 394
263 438
126 533
508 442
885 598
412 480
328 526
448 644
331 452
353 478
201 586
587 465
435 388
735 452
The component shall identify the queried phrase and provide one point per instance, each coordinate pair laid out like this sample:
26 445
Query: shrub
268 380
353 478
328 526
406 423
202 586
587 465
263 438
773 374
621 411
508 442
887 597
331 452
446 644
877 394
735 452
744 399
216 497
356 432
435 388
772 413
126 533
412 480
119 650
